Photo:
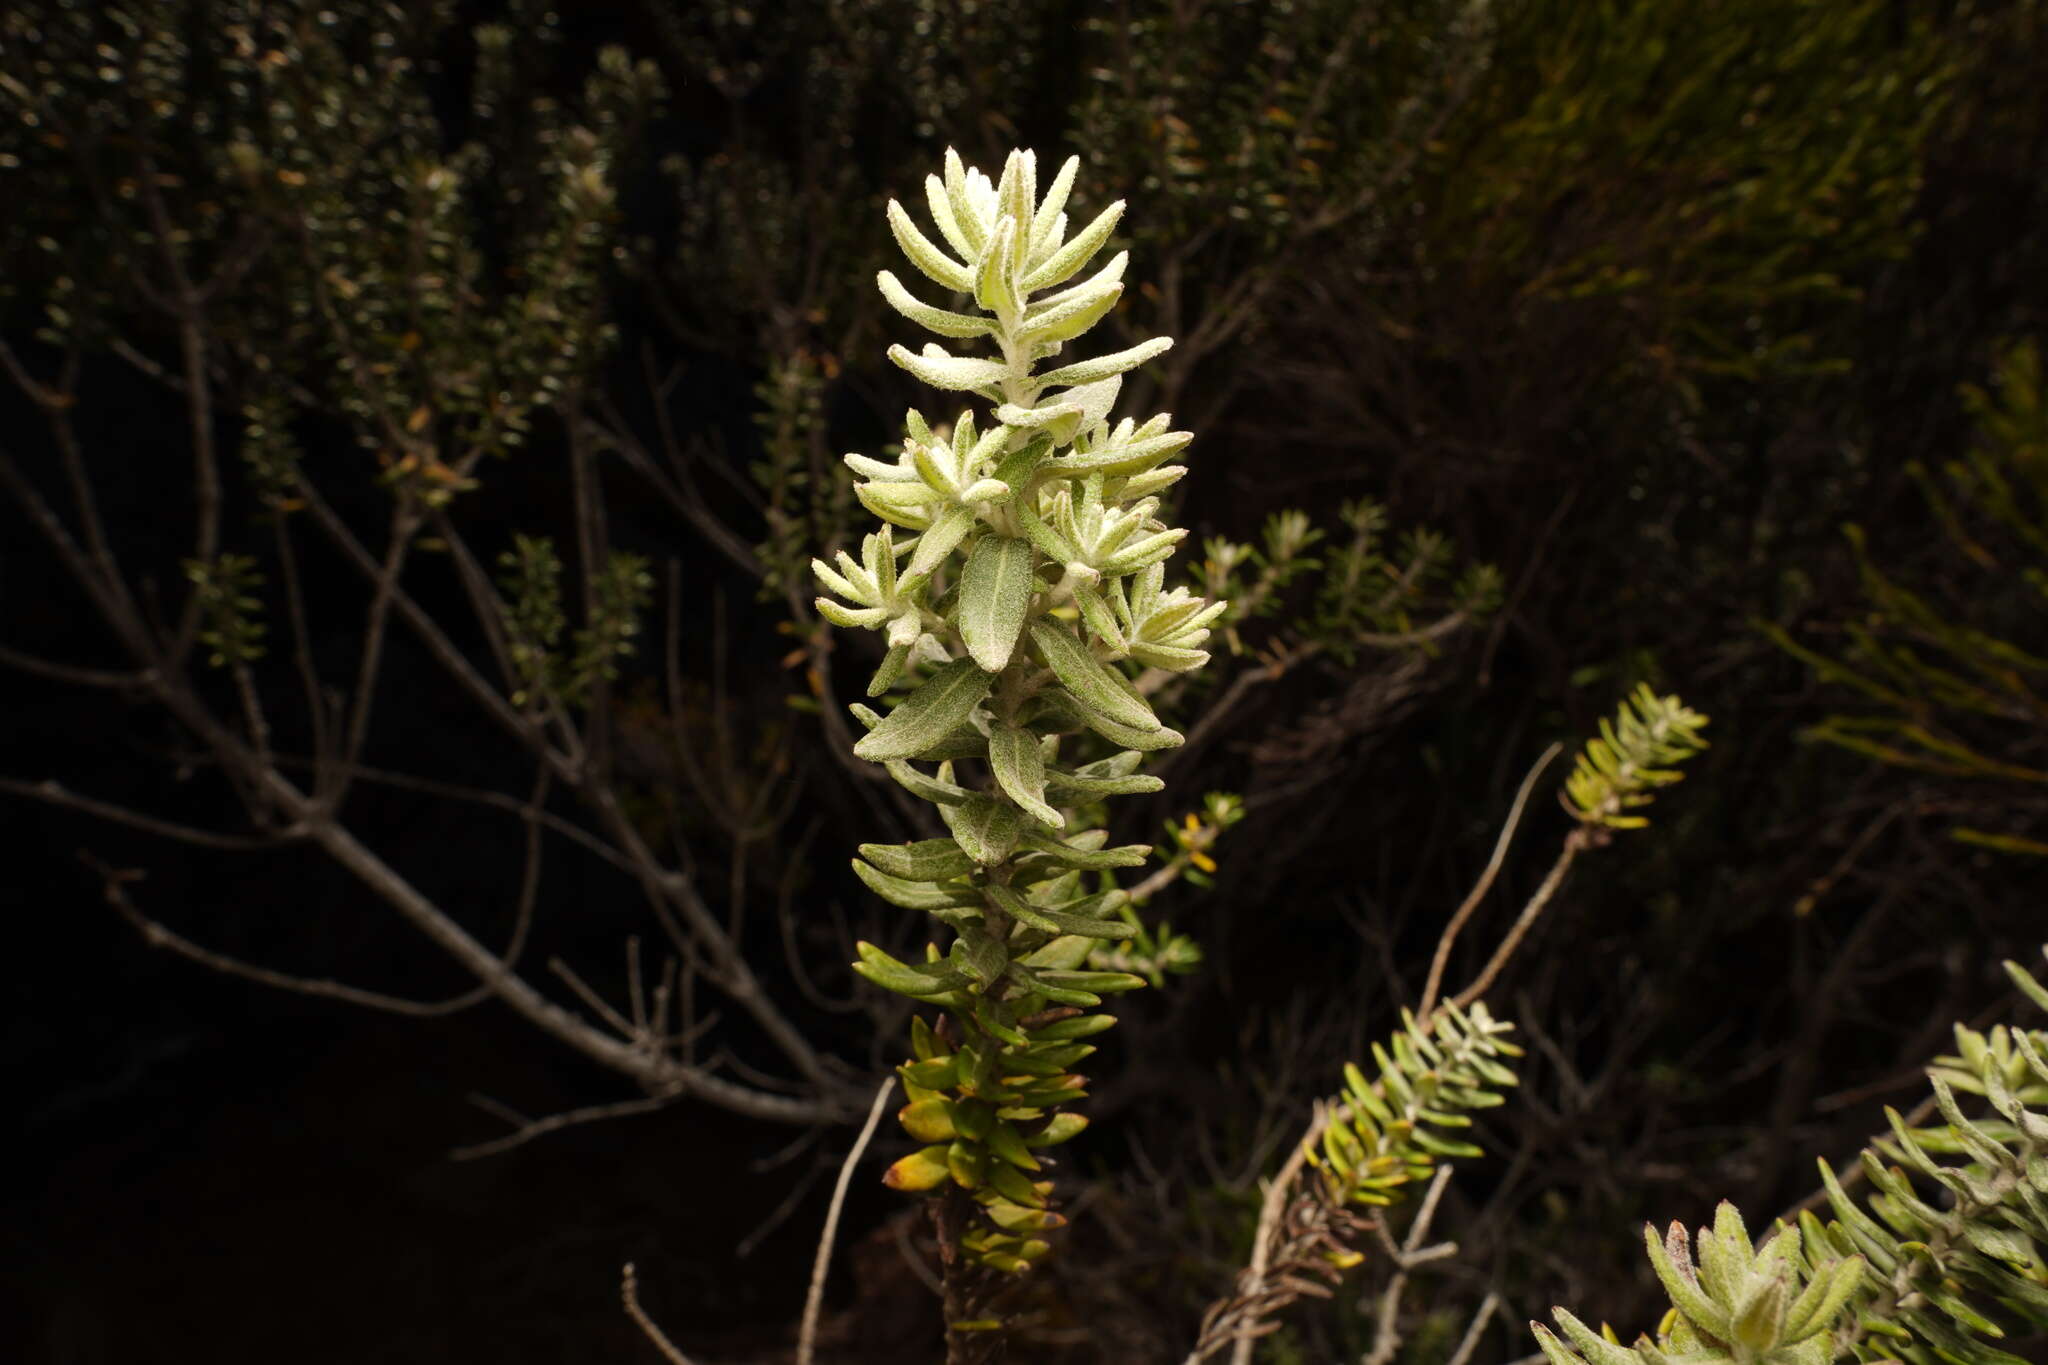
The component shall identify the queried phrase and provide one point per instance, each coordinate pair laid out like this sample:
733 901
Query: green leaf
915 894
1042 534
1106 777
928 1120
1686 1294
946 531
940 791
985 959
928 860
1116 460
1598 1349
1060 954
1019 767
1073 1029
1017 467
936 1073
1073 317
1130 737
1009 1145
1067 855
1060 1128
987 829
1014 1186
927 715
995 594
1112 983
1057 921
1100 689
930 978
924 1169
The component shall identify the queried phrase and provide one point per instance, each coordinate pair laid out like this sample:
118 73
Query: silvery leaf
1019 769
944 371
1071 257
936 265
995 594
1095 685
924 315
927 715
1102 367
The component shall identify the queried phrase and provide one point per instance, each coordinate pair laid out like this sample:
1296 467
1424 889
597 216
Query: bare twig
807 1333
1406 1257
629 1293
75 674
530 1129
157 935
1574 843
1487 1307
1478 893
54 793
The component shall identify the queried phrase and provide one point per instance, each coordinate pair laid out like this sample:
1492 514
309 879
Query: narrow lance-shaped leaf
949 371
1092 683
1071 257
1019 767
947 698
1102 367
926 257
924 315
928 860
914 894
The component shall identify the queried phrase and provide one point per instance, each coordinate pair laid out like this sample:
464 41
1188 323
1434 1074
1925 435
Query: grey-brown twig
807 1332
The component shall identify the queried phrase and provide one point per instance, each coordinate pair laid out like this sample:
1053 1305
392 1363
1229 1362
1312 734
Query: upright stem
964 1299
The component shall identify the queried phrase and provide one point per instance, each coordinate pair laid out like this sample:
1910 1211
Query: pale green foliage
1733 1303
1938 1264
1635 754
1384 1134
1033 567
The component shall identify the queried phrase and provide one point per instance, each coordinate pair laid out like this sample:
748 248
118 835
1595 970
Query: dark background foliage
1641 303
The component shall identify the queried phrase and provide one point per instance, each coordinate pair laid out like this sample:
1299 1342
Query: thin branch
74 674
157 935
629 1292
1270 1208
1464 911
1406 1257
799 1190
590 997
532 1128
55 794
583 838
1574 842
807 1334
1470 1343
302 658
